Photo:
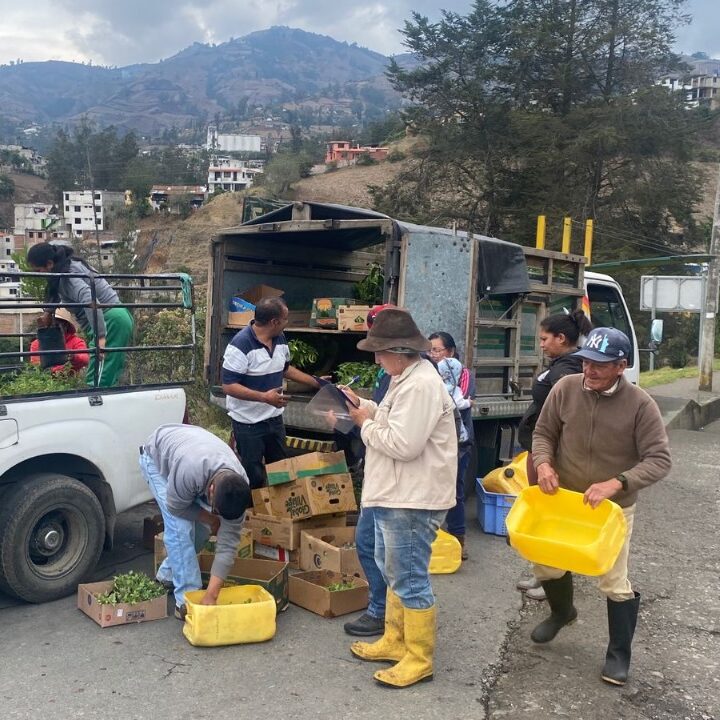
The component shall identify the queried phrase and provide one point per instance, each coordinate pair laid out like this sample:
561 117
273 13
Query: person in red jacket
77 361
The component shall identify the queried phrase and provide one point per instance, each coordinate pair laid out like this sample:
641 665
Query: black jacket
568 364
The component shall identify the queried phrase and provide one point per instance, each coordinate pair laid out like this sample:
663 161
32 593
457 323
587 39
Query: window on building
77 208
31 234
77 221
67 208
8 252
97 196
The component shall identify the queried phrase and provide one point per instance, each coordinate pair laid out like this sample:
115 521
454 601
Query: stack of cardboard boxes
311 491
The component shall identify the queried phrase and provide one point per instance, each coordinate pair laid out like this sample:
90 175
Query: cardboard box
261 501
298 318
310 591
324 549
353 317
324 312
244 549
283 532
306 465
152 526
311 496
242 306
272 575
279 554
120 614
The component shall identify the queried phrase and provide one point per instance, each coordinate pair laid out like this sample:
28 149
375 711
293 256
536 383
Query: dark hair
269 309
232 494
572 325
447 340
41 254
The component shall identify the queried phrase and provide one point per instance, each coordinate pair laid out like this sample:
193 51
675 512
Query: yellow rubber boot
417 664
390 646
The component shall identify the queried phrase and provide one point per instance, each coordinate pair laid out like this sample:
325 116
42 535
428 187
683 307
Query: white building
701 86
9 288
232 175
35 216
79 216
7 246
232 143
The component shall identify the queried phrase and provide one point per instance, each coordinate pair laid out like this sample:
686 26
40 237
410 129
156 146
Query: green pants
119 329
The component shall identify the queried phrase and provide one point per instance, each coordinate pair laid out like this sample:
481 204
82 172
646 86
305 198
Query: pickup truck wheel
52 529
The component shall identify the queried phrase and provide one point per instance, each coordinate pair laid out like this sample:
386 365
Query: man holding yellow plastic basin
602 436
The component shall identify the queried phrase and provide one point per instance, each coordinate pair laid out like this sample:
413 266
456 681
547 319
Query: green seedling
339 586
131 588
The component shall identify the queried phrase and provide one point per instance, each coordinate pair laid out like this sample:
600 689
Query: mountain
266 68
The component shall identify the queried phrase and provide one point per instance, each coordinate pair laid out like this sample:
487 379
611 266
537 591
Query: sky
123 32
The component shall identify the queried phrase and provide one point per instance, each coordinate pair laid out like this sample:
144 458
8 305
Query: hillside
270 67
28 189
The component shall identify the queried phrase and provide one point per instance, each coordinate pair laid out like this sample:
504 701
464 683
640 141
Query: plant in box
131 588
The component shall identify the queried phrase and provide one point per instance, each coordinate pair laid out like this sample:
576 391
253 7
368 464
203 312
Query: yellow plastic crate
560 531
233 620
446 554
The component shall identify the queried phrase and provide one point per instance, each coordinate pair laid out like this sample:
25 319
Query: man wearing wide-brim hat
410 467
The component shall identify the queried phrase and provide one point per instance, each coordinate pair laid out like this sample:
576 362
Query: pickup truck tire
52 529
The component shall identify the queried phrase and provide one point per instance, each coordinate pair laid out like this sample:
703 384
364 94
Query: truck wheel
52 529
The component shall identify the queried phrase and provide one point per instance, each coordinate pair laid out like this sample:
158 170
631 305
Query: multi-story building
233 175
37 222
81 219
701 86
167 197
341 153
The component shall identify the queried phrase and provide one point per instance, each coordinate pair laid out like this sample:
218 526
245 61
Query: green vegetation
302 354
666 375
339 586
33 380
371 288
367 372
132 587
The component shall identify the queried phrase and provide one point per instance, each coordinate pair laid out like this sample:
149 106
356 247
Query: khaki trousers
614 584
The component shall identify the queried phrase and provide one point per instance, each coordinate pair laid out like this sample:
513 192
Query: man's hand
211 520
600 491
359 415
213 590
276 398
350 394
547 479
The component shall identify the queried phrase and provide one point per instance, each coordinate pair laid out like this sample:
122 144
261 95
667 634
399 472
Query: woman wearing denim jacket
410 471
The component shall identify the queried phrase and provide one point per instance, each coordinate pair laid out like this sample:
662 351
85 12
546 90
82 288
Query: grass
666 375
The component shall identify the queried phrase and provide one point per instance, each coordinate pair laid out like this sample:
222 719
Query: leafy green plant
396 156
371 288
366 371
33 380
131 588
339 586
302 354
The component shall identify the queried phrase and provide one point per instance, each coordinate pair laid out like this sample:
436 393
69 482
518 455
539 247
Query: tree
548 107
7 187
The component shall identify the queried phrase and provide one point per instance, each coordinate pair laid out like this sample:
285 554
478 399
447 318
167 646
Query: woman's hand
101 345
358 414
352 396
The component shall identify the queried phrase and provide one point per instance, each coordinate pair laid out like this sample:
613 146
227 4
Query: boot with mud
391 646
559 595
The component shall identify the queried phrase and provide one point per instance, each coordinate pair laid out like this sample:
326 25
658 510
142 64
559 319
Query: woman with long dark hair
105 328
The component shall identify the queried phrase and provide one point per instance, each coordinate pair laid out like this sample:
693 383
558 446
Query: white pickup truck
69 462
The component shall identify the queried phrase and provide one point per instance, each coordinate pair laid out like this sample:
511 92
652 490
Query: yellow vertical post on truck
588 241
540 233
567 234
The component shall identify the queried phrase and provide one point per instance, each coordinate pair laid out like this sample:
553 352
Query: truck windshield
608 310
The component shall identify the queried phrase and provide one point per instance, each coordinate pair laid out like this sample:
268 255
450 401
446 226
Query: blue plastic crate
492 509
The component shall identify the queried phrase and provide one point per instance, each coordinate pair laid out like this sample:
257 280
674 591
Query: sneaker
536 593
531 584
180 612
365 626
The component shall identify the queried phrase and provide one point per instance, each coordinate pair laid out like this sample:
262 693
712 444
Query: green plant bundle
131 588
366 371
302 354
339 586
33 380
371 288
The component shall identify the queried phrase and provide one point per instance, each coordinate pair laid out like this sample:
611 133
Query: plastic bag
330 404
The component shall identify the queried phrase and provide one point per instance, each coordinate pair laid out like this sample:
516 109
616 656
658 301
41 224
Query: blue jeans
402 552
456 515
365 544
180 536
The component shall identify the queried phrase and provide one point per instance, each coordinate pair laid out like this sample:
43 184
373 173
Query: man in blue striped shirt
254 365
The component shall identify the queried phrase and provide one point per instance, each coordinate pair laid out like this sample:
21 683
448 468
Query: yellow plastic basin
560 531
446 554
233 620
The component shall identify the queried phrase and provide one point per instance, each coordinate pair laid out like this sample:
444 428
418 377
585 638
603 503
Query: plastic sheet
330 404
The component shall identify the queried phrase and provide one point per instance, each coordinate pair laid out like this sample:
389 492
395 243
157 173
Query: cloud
109 32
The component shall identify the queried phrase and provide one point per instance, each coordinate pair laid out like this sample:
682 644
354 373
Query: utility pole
94 208
711 301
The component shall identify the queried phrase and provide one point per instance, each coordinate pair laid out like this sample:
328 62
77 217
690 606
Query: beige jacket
411 458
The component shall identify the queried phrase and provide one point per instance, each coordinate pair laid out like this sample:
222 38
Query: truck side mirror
656 331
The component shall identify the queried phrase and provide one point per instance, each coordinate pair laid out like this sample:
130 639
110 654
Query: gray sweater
77 290
187 457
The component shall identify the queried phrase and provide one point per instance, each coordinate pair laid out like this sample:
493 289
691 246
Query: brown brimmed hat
394 330
68 317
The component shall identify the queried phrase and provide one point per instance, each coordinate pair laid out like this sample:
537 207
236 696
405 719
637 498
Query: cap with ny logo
605 345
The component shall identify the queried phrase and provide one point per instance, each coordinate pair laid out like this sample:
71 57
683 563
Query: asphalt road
57 663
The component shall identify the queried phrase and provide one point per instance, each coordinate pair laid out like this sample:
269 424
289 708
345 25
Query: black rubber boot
562 611
622 618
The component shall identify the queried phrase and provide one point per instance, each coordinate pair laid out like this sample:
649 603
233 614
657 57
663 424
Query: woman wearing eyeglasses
442 346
